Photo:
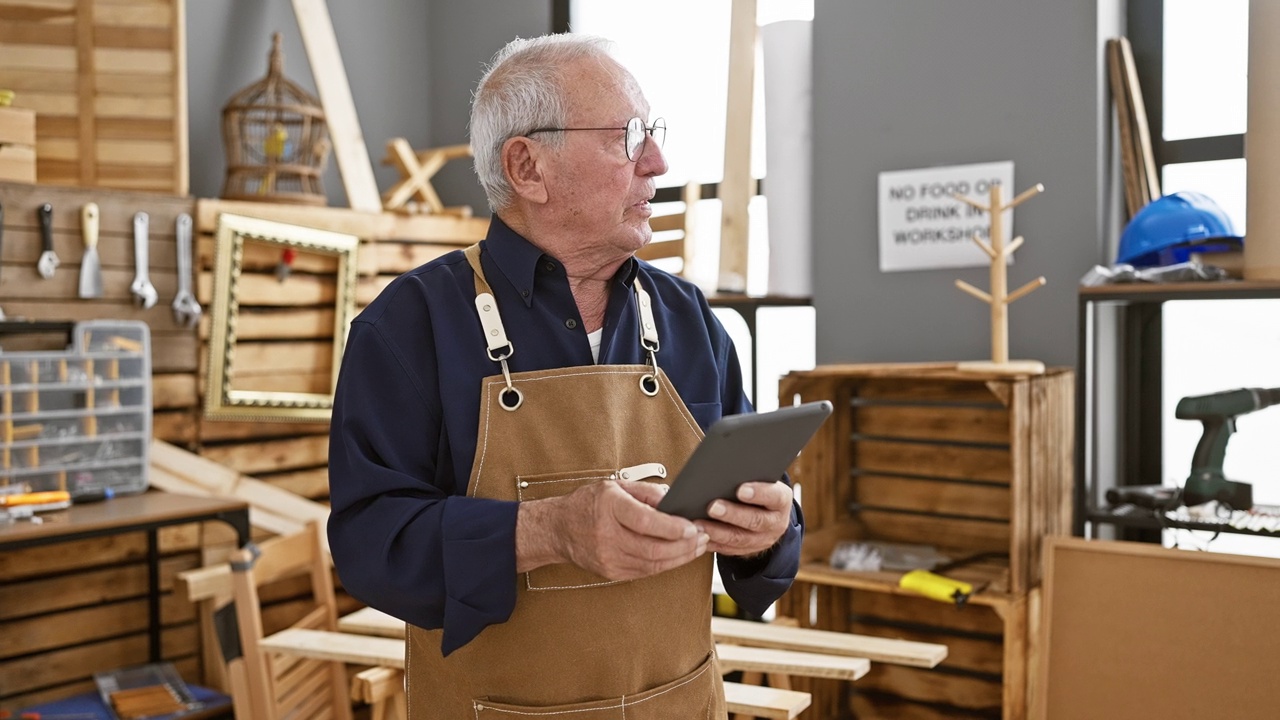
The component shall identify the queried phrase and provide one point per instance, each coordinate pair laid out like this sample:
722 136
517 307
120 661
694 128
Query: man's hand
751 526
609 528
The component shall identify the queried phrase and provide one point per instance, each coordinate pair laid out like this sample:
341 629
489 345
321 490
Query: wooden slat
951 424
284 323
340 111
253 358
72 555
934 496
271 455
343 647
789 662
935 687
737 185
933 460
62 592
218 430
752 634
765 702
922 611
973 536
984 655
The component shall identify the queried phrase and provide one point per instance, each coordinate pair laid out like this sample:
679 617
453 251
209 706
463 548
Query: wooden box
978 466
107 80
17 145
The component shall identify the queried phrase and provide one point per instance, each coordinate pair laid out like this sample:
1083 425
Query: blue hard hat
1169 229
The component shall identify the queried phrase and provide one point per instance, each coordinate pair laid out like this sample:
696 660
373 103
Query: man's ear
520 162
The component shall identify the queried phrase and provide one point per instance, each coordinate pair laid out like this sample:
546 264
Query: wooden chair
673 230
267 686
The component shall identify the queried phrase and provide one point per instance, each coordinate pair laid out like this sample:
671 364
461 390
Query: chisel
90 267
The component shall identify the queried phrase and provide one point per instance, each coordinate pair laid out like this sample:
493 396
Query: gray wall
411 67
909 84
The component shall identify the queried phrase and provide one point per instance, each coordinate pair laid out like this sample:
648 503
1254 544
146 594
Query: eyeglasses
636 132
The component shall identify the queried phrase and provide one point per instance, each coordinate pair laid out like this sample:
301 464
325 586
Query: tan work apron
577 646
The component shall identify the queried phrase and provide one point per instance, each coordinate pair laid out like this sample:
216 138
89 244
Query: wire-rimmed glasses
634 139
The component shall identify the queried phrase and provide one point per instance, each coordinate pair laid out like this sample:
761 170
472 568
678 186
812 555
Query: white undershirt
594 339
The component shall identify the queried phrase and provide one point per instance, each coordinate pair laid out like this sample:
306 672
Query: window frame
1145 23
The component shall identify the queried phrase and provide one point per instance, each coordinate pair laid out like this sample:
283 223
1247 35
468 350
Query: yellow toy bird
273 147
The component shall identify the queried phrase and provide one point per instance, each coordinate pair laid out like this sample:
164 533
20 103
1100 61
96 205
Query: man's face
598 195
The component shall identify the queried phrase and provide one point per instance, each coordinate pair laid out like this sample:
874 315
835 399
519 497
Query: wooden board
880 650
1136 630
737 187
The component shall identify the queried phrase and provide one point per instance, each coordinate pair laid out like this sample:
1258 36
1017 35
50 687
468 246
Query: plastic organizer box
79 419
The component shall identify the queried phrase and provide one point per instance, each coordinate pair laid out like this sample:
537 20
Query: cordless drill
1218 413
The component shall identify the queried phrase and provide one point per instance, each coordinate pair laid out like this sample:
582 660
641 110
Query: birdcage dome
276 140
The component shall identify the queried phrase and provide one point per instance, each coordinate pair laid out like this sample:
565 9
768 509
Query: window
679 53
1192 60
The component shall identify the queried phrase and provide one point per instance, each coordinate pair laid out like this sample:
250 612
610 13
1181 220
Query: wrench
144 293
48 259
186 310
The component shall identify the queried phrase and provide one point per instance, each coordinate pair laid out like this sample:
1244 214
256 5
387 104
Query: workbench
146 512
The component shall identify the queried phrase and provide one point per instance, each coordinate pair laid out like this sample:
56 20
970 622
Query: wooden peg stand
999 297
414 192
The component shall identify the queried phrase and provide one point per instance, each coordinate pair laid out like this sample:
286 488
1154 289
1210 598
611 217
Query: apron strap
501 349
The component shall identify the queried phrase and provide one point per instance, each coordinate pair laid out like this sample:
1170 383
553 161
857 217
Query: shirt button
524 293
549 266
571 323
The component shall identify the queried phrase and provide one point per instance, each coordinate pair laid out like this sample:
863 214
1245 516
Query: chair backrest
274 687
673 232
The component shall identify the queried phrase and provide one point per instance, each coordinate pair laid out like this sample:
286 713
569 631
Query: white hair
521 91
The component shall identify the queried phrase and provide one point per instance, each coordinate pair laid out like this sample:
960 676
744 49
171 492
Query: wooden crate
107 80
977 465
17 145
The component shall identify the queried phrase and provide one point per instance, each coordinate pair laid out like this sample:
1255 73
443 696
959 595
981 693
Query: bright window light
1206 54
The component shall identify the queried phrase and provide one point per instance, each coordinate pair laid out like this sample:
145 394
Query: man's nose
652 161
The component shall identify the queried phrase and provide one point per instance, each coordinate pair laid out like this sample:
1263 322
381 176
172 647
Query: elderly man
507 417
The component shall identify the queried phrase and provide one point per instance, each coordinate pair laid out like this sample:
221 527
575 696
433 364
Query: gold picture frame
282 294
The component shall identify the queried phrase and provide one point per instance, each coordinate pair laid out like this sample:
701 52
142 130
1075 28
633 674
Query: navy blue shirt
405 537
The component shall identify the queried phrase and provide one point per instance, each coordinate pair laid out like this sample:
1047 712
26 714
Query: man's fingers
642 519
646 492
771 496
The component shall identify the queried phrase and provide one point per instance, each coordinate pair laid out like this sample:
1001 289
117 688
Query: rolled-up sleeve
402 541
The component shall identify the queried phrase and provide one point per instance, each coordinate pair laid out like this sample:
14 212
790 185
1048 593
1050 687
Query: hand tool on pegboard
48 261
144 293
186 310
90 266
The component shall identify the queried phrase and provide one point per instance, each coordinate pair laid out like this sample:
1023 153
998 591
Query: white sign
923 226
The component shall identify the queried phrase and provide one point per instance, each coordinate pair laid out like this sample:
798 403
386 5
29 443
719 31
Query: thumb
646 492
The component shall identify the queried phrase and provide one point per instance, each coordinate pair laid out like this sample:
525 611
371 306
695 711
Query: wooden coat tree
999 297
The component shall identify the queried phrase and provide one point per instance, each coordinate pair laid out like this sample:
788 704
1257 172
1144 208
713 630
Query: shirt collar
517 259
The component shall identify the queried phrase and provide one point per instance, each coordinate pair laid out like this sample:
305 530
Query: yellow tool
35 498
936 587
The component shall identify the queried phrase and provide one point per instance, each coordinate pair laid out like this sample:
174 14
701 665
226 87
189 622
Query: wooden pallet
107 80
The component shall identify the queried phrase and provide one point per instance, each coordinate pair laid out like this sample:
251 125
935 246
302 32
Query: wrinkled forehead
600 90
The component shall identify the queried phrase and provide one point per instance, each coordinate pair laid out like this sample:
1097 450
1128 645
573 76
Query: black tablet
738 449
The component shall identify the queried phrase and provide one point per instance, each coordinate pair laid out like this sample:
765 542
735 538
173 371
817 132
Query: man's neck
589 270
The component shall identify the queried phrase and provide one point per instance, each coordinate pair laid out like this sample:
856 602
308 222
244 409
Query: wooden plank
271 455
262 290
54 81
325 645
143 106
343 220
877 705
143 62
74 555
159 15
397 257
933 496
872 606
174 390
933 460
765 702
132 38
62 592
178 427
312 484
984 655
117 208
86 92
339 109
789 662
181 103
284 323
136 152
935 687
19 32
22 246
17 126
737 185
36 57
753 634
952 424
255 358
72 627
320 383
46 103
948 534
217 430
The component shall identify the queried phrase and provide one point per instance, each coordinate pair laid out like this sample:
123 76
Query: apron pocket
690 697
563 576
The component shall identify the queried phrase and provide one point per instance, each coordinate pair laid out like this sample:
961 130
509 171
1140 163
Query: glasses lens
635 138
636 131
659 131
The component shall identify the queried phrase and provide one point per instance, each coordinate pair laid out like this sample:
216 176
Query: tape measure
936 587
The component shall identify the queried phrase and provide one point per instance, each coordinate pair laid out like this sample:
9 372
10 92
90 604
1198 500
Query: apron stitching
528 583
622 704
520 490
488 395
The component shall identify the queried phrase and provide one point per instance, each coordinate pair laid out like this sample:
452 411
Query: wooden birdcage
276 140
